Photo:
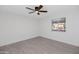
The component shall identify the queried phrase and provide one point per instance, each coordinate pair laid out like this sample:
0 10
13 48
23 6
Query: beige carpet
39 45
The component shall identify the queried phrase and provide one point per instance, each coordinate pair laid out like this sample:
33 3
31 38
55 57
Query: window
59 24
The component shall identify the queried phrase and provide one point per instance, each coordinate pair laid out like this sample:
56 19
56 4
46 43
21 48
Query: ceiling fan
37 9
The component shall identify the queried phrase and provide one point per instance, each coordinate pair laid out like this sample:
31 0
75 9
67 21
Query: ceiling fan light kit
37 10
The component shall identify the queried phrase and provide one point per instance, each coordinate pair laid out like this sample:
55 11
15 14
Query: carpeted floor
39 45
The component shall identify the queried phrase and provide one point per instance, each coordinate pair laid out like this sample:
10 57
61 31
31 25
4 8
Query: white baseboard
77 45
17 40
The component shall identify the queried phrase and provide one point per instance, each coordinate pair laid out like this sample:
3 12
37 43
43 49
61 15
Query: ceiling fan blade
31 12
30 8
40 7
42 11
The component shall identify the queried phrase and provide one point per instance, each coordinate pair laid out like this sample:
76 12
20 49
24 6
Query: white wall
14 28
71 36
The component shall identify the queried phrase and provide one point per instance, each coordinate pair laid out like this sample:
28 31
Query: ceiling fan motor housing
36 8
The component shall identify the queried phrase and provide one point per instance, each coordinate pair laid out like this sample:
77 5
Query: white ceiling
52 10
